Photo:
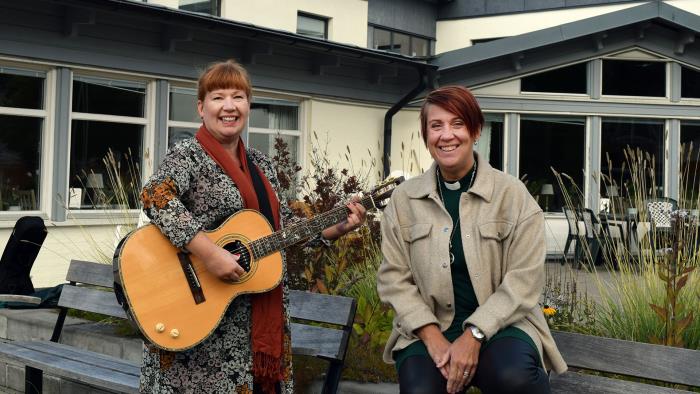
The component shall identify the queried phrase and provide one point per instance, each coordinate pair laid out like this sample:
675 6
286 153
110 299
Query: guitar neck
303 230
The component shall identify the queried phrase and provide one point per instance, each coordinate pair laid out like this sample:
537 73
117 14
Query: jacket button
449 305
444 265
468 235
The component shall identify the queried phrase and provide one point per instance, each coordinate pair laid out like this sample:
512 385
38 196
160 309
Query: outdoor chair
574 233
591 223
659 211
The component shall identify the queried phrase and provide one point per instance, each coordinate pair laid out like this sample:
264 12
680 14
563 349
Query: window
690 164
548 142
403 43
571 79
634 78
490 144
270 119
183 119
690 82
312 26
210 7
108 115
21 129
644 136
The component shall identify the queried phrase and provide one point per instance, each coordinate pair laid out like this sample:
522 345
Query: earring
476 142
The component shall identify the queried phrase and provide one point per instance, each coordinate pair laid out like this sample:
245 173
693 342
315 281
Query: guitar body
160 283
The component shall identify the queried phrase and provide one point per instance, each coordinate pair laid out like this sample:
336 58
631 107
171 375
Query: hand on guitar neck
224 265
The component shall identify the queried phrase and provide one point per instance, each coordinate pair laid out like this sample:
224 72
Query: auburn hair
224 75
457 100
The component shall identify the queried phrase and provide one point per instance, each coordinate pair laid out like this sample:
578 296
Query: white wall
347 24
456 34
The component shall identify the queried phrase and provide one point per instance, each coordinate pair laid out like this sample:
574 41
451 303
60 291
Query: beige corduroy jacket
502 230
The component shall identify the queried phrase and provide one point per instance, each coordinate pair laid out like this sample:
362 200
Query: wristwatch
477 333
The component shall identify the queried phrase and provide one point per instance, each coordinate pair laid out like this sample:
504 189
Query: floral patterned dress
189 193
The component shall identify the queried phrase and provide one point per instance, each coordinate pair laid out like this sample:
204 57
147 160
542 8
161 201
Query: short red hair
457 100
224 75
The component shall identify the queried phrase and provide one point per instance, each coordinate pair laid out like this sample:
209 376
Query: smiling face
449 142
225 114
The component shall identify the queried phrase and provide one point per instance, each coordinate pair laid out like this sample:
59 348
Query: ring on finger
466 374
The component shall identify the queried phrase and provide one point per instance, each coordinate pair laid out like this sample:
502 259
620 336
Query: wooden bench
85 291
632 359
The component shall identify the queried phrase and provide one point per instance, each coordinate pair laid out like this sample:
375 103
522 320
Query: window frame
666 98
411 37
321 18
558 94
179 123
47 116
147 123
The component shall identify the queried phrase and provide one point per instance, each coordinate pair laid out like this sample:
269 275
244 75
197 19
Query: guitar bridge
191 276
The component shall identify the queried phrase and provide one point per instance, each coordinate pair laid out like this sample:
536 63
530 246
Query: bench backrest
88 282
642 360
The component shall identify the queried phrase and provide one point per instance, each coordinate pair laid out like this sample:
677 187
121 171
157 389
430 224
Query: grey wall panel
413 16
61 135
162 92
593 178
673 159
589 107
476 8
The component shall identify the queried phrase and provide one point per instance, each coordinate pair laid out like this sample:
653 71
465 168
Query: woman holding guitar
463 267
200 183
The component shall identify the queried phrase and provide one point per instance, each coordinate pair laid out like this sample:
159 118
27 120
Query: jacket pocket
416 231
495 230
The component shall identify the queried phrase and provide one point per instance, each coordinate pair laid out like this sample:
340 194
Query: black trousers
506 366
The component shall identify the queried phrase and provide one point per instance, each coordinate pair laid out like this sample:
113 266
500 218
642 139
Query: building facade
564 86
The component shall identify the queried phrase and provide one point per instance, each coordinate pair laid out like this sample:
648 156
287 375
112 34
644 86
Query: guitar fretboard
303 230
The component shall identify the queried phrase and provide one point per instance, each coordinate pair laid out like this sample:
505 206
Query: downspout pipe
426 79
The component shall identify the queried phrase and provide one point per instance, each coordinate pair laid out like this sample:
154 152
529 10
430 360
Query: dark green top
464 296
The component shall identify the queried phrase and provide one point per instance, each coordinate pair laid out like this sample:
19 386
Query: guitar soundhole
237 247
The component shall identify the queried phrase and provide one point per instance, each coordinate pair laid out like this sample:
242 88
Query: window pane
382 39
104 96
201 6
490 144
644 134
690 82
421 46
183 105
548 142
571 79
311 26
276 117
690 165
634 78
177 134
21 89
90 143
401 44
20 155
266 144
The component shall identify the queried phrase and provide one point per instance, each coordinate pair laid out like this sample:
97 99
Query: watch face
477 333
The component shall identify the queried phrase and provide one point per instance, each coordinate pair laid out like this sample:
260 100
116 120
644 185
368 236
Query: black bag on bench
19 255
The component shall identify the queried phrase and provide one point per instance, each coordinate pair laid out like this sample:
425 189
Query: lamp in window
546 191
94 184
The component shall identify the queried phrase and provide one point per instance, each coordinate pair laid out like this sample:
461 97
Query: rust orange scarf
268 317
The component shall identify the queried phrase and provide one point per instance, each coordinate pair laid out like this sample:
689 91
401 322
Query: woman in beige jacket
463 267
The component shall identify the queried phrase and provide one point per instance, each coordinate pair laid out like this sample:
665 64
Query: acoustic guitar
170 296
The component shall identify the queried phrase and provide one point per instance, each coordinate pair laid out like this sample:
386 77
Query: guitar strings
294 226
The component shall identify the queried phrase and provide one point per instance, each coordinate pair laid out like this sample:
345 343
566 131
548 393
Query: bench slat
83 355
318 341
91 300
73 370
321 307
90 273
656 362
574 383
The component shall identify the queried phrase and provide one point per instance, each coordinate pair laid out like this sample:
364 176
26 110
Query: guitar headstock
381 193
